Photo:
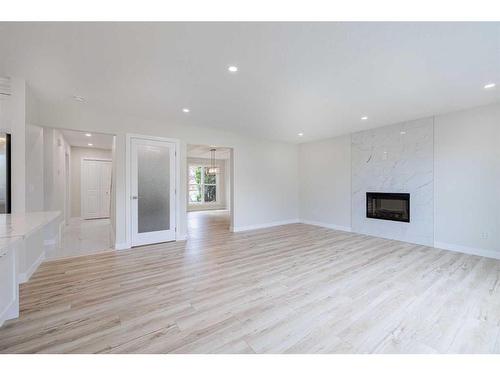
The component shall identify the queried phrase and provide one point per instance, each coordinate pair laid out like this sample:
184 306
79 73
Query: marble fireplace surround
395 159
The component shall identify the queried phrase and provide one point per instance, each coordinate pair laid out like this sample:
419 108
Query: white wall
118 199
34 168
467 181
222 185
77 154
34 154
55 148
325 182
265 172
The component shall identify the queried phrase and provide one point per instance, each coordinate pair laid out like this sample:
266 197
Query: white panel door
105 170
95 189
152 183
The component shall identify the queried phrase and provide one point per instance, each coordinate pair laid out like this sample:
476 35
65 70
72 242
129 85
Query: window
195 186
210 186
202 185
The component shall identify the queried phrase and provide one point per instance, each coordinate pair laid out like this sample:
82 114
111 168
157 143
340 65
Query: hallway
83 237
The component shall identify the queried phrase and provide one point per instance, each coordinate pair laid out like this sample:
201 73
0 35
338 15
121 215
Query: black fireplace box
388 206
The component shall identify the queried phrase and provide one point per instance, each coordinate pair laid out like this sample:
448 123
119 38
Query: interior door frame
128 181
82 183
67 186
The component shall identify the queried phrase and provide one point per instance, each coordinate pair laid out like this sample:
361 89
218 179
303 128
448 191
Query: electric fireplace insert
388 206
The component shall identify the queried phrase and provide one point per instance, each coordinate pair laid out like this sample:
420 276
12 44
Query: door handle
135 197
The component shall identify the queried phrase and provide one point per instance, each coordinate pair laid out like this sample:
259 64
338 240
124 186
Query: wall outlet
484 235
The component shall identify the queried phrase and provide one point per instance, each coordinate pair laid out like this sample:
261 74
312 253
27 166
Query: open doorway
209 192
78 170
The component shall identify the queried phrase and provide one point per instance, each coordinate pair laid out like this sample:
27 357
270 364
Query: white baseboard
60 234
439 245
327 225
9 312
468 250
122 246
127 246
207 208
261 226
112 237
25 276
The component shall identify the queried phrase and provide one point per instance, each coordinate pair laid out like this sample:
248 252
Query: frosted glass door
153 191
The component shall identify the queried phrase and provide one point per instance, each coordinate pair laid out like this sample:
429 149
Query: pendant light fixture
213 163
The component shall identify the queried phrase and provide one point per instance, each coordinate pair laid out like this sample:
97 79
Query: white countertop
24 224
5 243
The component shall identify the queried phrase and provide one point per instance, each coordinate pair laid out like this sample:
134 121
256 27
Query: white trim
206 207
60 233
95 159
468 250
10 312
128 219
265 225
67 184
112 235
327 225
122 246
25 276
181 237
438 245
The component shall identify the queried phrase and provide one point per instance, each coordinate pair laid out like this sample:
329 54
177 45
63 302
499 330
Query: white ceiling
315 78
79 139
202 151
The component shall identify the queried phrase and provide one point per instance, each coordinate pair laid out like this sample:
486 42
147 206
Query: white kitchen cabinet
9 291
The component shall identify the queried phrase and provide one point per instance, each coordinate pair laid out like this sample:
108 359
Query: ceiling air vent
4 87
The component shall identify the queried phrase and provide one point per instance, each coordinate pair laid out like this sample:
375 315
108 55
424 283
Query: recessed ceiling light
79 98
364 118
90 144
300 134
489 85
232 69
402 132
185 110
88 135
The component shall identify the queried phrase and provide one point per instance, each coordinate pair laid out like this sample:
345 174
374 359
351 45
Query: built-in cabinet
24 238
9 291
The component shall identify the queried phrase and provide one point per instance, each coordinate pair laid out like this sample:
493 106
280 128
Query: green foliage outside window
202 185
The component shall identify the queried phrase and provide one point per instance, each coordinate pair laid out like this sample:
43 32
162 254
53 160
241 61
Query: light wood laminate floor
289 289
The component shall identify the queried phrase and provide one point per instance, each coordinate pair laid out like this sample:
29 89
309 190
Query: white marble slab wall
395 159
